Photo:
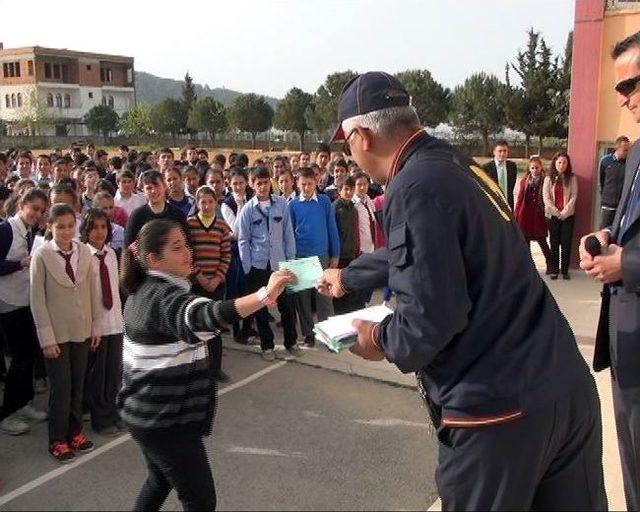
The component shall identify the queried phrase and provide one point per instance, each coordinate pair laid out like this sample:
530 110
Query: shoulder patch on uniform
499 202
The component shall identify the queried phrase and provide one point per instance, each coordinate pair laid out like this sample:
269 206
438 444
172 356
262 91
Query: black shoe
548 272
224 330
310 341
241 339
566 277
250 333
554 277
220 376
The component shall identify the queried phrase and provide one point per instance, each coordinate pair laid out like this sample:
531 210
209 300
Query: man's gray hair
385 122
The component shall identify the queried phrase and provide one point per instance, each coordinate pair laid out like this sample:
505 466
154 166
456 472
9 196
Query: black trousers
549 460
177 461
606 217
560 237
23 345
214 344
626 406
351 301
66 385
256 279
103 381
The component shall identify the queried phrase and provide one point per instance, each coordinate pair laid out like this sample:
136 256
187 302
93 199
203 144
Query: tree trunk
485 143
213 139
540 146
253 140
301 134
527 145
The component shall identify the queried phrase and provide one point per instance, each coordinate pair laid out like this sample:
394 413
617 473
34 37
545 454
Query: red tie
107 298
67 266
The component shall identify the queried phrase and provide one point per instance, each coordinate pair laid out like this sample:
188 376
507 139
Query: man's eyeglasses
346 149
626 87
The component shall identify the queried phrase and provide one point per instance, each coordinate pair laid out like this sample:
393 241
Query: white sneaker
13 426
295 351
268 355
28 412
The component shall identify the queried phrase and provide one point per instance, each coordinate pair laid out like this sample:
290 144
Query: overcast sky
269 46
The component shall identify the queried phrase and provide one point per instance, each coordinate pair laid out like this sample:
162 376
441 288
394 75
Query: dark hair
286 170
59 210
242 160
307 172
126 174
206 190
151 239
341 162
3 158
221 159
123 147
175 169
190 168
323 147
361 174
238 171
345 181
64 187
5 193
102 194
501 142
204 152
89 222
163 151
552 168
622 138
151 177
31 195
44 157
132 156
25 154
142 167
115 162
59 162
259 173
624 45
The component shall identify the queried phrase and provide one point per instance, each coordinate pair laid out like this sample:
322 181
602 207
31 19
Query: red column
583 114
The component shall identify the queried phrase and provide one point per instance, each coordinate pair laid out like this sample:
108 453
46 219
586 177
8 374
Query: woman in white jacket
560 192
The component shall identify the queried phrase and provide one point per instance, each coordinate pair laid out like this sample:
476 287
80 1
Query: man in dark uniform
618 335
515 407
612 183
502 170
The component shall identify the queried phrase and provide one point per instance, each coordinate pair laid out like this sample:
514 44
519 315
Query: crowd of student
68 218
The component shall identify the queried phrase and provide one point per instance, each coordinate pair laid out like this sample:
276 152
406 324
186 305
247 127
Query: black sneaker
566 277
81 443
220 376
310 341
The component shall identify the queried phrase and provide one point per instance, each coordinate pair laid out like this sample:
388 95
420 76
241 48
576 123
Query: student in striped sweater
211 243
168 396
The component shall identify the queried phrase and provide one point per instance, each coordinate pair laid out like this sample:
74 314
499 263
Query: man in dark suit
503 171
618 336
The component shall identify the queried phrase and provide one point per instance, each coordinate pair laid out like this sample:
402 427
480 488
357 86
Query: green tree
291 113
561 93
208 115
251 113
430 99
529 105
189 98
476 107
33 115
169 117
136 122
102 119
322 114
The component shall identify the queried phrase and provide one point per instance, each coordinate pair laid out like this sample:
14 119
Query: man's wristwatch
265 298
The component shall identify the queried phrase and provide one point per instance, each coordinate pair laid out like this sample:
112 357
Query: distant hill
153 89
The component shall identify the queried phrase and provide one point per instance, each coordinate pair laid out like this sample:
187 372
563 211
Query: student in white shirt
105 364
366 221
125 195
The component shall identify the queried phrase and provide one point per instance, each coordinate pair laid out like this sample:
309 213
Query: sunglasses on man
626 87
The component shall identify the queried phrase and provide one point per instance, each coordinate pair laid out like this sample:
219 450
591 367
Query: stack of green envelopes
337 333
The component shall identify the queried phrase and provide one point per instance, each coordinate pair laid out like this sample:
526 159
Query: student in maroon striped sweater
211 242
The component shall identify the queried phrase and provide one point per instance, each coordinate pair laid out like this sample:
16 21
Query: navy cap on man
366 93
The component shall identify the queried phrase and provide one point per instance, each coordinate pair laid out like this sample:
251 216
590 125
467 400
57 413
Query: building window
7 101
30 67
56 71
5 70
13 101
104 100
17 68
111 101
88 67
129 75
102 74
59 100
12 69
49 100
106 75
47 70
19 100
90 95
67 101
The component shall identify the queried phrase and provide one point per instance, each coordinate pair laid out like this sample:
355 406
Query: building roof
65 53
